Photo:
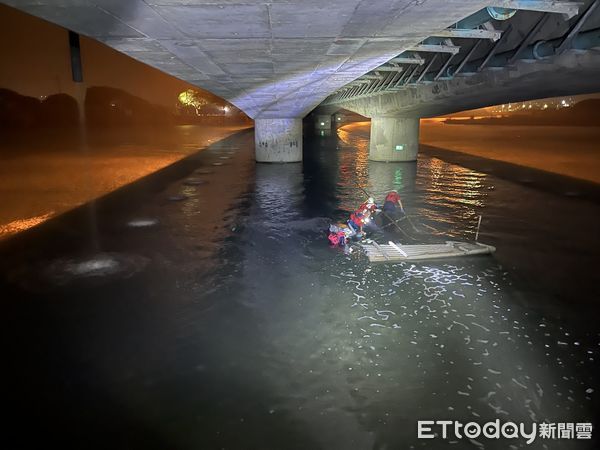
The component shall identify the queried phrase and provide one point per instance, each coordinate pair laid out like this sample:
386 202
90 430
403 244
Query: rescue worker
356 222
369 206
392 202
338 234
362 216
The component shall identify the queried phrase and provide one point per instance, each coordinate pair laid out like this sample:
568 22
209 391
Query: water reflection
447 340
384 177
447 199
279 193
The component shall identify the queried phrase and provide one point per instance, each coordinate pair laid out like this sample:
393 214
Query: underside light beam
410 77
426 69
407 60
467 58
391 81
435 48
489 26
406 76
361 90
351 92
406 80
355 84
371 86
365 89
386 81
570 9
492 52
475 33
401 79
566 43
360 83
344 95
380 83
443 68
527 40
357 88
397 76
390 69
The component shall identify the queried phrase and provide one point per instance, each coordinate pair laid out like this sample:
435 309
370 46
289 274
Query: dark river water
201 308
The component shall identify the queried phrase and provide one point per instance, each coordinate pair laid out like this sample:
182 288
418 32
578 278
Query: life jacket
333 238
366 206
337 238
358 217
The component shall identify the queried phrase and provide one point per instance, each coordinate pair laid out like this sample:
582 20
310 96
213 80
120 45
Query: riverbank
42 179
569 151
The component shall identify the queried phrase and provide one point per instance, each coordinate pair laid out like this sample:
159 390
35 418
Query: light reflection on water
443 196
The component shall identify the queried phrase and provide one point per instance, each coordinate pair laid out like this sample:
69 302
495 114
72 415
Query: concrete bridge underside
395 115
278 59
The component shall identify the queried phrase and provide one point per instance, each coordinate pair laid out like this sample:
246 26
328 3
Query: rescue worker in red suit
392 203
362 215
369 206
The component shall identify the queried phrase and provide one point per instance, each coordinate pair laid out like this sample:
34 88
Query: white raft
398 252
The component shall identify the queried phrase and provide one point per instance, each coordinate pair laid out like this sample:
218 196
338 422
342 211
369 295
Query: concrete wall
394 139
278 140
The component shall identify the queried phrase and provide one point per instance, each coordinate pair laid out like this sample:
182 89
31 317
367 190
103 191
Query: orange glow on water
52 177
19 225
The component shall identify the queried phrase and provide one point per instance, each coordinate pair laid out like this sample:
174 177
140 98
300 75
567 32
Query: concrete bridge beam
278 140
394 139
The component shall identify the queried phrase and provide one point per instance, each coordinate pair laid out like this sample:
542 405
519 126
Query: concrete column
278 140
338 120
323 122
394 139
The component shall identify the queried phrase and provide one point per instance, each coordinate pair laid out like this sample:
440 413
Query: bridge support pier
323 122
394 139
338 120
278 140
